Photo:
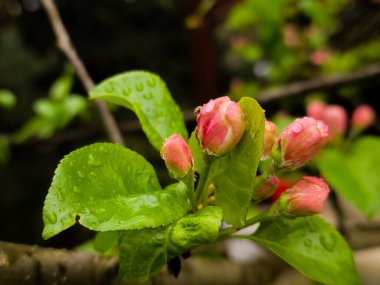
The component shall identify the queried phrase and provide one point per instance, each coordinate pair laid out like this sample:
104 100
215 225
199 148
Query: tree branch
33 265
65 44
321 83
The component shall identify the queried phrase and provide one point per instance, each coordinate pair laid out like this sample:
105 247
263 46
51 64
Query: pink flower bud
335 117
363 117
301 140
307 196
316 110
266 188
177 156
221 125
269 139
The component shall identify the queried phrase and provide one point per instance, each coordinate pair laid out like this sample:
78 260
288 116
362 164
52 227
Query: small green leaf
109 187
355 175
233 175
104 241
198 156
144 252
147 95
312 246
7 99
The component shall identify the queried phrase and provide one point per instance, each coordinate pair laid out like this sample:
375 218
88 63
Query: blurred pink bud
221 125
269 139
301 140
266 188
177 156
307 196
363 116
316 109
335 117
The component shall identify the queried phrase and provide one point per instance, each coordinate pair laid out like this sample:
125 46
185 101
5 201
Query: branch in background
65 44
33 265
321 83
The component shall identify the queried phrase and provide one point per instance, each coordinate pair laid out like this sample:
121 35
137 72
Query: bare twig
321 83
65 44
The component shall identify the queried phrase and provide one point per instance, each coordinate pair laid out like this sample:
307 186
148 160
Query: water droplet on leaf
151 82
80 174
148 96
109 88
127 91
328 241
307 242
51 217
139 87
93 161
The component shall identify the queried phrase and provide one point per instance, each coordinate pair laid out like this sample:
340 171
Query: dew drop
127 91
109 88
307 243
93 161
51 217
139 87
328 241
159 113
148 96
297 128
151 82
80 174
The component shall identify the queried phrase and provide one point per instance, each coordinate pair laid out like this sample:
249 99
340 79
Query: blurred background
202 49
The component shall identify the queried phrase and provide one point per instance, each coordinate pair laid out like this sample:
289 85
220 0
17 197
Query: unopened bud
177 156
335 117
221 125
269 139
266 188
300 141
316 109
306 197
363 117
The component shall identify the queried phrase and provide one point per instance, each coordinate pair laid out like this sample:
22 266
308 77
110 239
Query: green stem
201 189
189 182
226 233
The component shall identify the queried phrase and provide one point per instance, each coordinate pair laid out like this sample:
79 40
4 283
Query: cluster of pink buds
335 116
221 125
306 197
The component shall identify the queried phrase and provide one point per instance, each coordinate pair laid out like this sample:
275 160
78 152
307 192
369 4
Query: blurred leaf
144 252
108 187
62 86
7 99
355 174
312 246
147 95
5 151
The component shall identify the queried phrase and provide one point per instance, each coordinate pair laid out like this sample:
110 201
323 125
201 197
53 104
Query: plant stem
226 233
65 44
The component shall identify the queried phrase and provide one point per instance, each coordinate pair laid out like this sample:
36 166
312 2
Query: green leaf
354 174
198 155
312 246
109 187
104 241
7 99
233 175
144 252
147 95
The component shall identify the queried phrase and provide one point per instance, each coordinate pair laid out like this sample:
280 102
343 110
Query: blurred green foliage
273 43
